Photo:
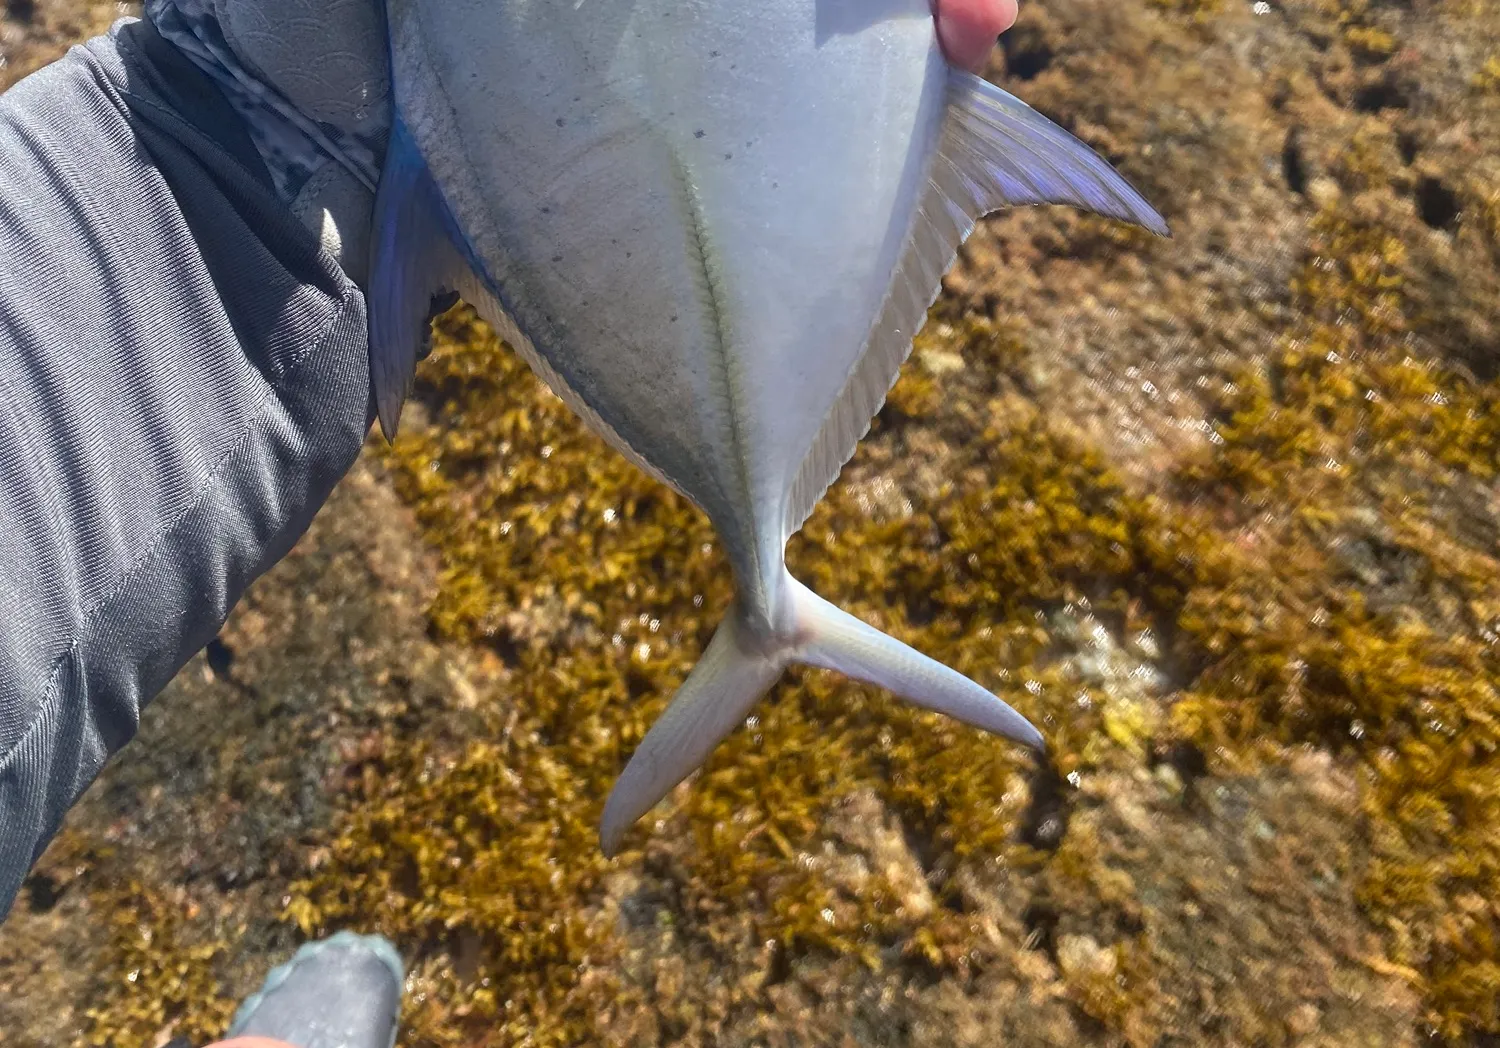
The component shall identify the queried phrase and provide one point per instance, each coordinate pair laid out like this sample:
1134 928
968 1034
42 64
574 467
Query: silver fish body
713 227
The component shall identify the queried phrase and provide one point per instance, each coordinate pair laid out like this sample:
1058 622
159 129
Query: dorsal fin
995 152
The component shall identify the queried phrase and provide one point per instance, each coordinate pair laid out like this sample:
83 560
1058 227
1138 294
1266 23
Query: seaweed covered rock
1218 513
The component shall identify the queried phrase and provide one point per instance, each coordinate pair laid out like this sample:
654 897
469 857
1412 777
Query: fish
713 228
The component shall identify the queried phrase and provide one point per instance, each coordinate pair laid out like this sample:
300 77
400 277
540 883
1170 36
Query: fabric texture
183 380
293 145
310 81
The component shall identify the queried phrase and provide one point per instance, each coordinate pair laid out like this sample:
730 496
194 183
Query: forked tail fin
740 667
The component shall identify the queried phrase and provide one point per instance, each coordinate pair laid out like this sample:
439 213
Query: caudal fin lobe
739 668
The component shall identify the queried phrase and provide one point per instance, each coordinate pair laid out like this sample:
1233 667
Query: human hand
328 56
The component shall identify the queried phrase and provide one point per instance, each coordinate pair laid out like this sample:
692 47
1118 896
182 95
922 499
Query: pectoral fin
414 260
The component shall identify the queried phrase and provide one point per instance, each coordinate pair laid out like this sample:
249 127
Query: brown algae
599 589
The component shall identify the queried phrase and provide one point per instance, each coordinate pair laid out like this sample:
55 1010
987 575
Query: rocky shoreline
1217 512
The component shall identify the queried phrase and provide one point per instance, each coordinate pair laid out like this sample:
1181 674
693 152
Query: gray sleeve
183 380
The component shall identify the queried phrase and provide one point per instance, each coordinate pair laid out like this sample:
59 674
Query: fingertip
968 28
1006 12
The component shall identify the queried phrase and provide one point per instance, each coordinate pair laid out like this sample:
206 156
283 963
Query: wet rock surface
1217 512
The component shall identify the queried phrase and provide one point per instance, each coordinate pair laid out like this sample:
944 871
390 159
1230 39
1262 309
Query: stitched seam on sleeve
88 619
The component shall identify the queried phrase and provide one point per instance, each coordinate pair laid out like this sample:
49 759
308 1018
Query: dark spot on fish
630 254
699 134
561 122
713 54
728 156
21 10
556 258
546 211
674 318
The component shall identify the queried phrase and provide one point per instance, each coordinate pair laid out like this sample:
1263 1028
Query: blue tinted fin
414 259
1002 153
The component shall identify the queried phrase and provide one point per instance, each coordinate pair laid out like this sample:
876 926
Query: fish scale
713 228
